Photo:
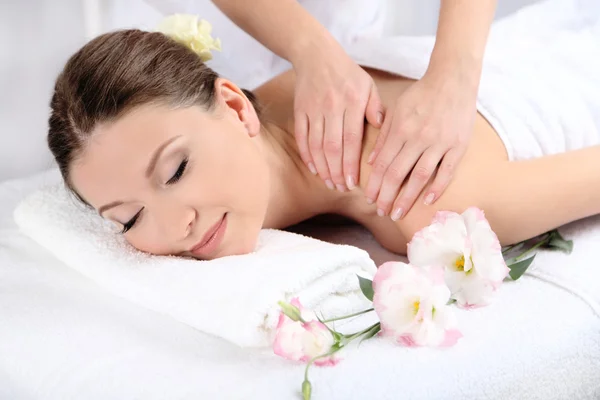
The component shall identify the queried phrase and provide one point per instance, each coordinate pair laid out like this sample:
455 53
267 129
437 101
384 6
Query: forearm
461 37
283 26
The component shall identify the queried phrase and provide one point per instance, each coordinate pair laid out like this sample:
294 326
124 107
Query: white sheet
62 337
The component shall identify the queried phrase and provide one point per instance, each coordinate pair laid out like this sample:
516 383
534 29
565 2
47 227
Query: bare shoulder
474 177
280 88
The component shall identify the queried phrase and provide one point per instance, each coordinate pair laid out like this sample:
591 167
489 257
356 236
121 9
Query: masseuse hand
332 97
424 135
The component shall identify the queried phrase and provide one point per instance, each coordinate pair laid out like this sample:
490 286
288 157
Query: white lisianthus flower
468 249
300 336
411 304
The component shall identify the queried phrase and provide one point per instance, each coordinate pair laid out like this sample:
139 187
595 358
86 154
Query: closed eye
179 173
129 224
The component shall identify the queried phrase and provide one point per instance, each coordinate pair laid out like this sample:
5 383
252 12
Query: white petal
438 244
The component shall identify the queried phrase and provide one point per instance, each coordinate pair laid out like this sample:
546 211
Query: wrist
461 69
309 49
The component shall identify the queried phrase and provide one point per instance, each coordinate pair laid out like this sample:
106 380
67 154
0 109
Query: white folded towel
232 297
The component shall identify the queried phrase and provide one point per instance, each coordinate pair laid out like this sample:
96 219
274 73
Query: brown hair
116 72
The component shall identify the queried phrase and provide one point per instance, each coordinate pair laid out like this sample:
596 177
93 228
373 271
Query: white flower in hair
192 32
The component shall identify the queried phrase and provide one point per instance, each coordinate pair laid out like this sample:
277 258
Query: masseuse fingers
375 109
301 135
332 147
353 136
382 137
444 175
383 161
396 175
315 145
420 175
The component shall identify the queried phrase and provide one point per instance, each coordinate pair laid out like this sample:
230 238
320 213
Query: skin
255 174
426 129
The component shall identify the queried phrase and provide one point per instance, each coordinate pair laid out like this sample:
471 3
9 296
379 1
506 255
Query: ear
233 100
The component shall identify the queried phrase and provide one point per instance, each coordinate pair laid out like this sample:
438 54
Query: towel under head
232 297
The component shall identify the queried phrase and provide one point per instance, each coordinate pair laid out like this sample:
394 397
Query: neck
295 194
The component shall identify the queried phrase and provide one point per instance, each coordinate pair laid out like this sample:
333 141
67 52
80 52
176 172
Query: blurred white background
37 37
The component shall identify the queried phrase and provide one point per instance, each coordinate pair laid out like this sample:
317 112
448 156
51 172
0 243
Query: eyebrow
149 171
156 155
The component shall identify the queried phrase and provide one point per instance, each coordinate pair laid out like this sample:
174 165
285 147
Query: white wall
35 40
37 36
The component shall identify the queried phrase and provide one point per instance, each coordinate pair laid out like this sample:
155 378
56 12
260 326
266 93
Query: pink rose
304 339
468 249
412 305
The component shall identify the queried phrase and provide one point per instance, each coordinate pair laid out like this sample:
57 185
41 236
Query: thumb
375 111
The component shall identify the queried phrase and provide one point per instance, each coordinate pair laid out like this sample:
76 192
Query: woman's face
180 181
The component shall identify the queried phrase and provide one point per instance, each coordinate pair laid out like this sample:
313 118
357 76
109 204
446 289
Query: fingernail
370 201
329 184
312 168
371 158
340 188
380 118
350 182
397 214
429 198
380 212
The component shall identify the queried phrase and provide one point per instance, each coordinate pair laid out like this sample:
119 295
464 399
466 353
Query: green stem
350 338
312 360
510 248
348 316
537 245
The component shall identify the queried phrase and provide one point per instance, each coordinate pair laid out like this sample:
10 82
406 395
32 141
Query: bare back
485 149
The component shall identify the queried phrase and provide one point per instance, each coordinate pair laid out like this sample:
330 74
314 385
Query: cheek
144 240
233 171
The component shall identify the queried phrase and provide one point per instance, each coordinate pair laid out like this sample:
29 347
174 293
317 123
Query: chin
243 246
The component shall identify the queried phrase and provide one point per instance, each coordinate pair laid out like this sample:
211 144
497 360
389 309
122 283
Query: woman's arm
333 95
283 26
431 123
521 199
461 37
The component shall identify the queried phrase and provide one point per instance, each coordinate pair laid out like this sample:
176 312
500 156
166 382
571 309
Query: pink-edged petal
443 216
467 306
435 274
296 303
281 321
406 340
451 337
383 273
288 341
326 362
474 213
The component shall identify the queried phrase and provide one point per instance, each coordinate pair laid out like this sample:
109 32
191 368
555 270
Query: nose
191 218
178 221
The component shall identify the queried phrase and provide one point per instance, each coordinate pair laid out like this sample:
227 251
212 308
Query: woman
186 163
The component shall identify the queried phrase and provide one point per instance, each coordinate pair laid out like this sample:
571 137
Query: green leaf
451 301
371 332
517 269
366 286
557 242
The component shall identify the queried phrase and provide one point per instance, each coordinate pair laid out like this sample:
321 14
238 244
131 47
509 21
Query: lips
212 239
